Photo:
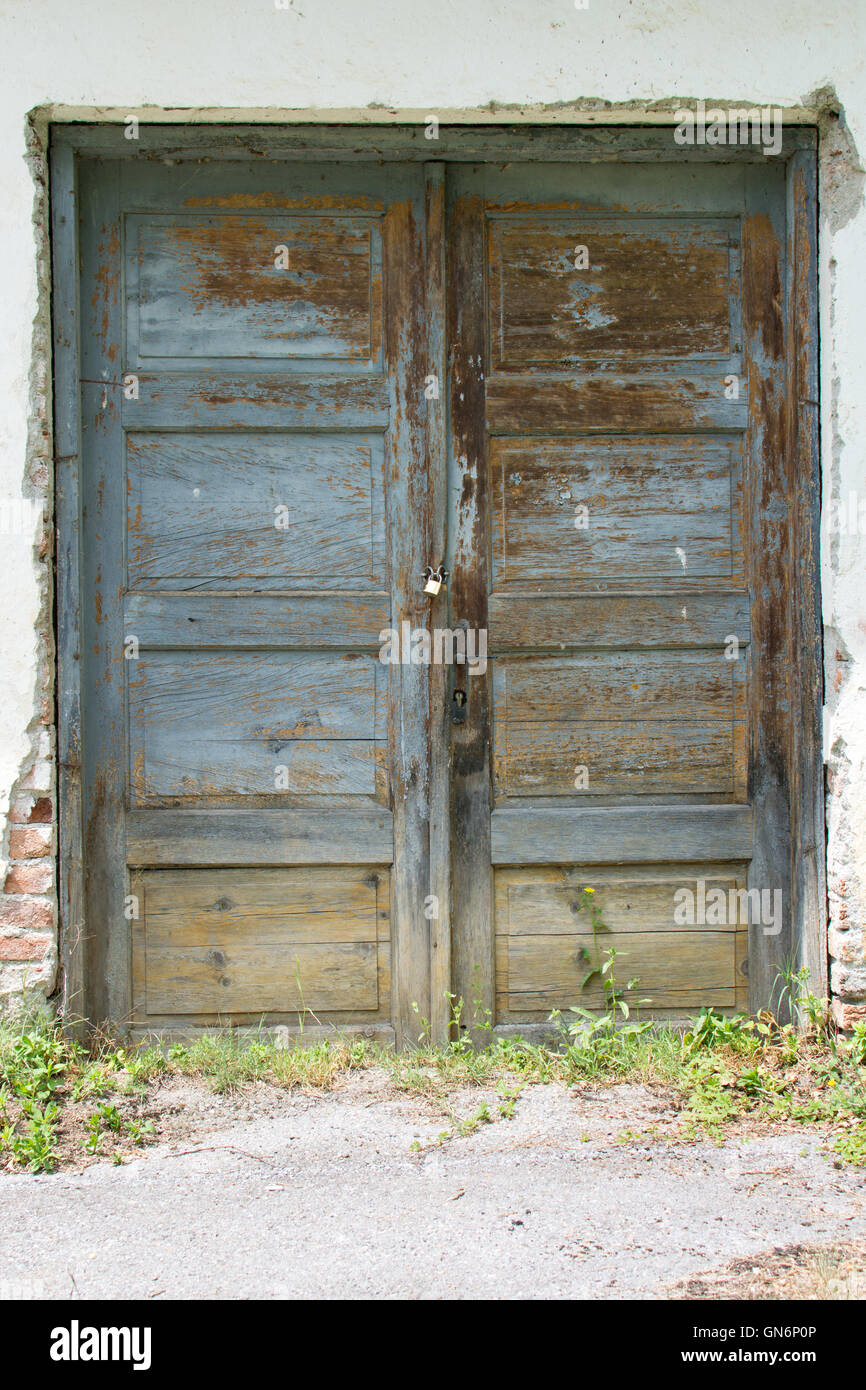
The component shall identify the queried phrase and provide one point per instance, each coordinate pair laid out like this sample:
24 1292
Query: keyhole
460 698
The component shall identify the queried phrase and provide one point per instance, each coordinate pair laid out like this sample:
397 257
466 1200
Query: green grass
721 1070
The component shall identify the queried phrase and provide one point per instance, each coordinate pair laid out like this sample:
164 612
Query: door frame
790 757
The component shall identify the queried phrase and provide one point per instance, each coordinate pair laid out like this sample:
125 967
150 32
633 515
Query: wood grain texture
207 907
440 676
653 288
545 944
621 834
625 686
300 619
616 417
103 708
208 286
185 1029
771 566
242 942
642 899
259 837
304 143
809 878
525 403
284 400
636 723
231 725
635 620
410 520
612 508
605 389
260 511
669 757
684 970
472 936
262 979
67 487
256 678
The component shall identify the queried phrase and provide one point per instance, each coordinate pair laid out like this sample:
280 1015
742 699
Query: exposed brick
846 1015
35 876
26 947
26 914
848 981
31 842
30 810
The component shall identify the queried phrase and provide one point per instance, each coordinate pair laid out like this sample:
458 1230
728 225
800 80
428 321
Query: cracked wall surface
28 903
843 542
496 59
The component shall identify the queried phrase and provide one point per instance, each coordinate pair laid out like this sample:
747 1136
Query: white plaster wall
95 59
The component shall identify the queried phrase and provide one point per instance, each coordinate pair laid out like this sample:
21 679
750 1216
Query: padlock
433 580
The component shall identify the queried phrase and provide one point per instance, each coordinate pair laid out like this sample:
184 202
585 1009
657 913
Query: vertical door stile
472 938
438 904
770 559
103 629
809 880
67 444
409 522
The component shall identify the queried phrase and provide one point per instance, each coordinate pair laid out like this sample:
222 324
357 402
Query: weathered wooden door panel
607 404
655 288
197 507
540 942
247 942
254 495
212 286
540 530
275 820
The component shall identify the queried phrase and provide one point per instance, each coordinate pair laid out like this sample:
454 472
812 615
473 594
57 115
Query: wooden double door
304 380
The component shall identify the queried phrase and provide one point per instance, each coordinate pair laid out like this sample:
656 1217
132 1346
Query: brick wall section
847 961
847 937
28 902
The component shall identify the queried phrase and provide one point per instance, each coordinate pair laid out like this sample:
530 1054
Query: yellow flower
589 890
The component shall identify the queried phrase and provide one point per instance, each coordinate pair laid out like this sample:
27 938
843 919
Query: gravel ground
269 1195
